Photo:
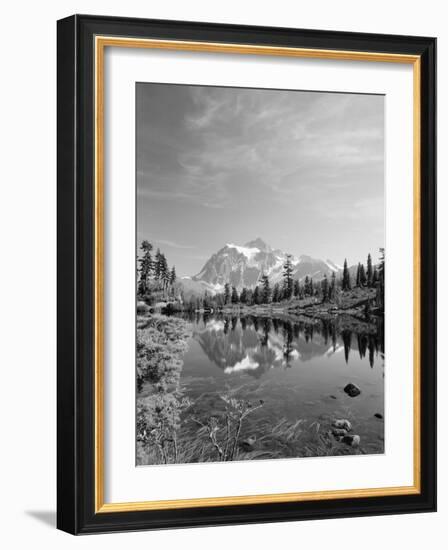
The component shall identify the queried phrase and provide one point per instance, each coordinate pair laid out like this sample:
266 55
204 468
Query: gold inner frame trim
101 42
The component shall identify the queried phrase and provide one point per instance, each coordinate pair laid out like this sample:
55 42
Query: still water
298 369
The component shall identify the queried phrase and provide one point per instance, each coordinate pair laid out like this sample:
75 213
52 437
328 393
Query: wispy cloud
173 244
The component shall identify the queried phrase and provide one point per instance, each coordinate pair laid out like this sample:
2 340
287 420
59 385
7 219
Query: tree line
326 290
157 279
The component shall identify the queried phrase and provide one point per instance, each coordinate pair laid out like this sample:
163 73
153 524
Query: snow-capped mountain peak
244 265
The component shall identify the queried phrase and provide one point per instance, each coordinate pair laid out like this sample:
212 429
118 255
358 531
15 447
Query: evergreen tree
266 290
296 288
276 293
325 288
346 277
173 275
287 277
243 296
164 272
332 288
358 275
145 267
227 293
235 297
307 286
375 276
381 279
311 287
362 276
256 296
369 271
158 265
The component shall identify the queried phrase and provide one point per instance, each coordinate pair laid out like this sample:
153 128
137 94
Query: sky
302 170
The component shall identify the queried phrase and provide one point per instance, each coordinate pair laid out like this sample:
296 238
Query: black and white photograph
260 274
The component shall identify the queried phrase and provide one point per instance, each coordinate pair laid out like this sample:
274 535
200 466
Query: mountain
243 266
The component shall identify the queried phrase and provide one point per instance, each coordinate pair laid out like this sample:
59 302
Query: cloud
173 244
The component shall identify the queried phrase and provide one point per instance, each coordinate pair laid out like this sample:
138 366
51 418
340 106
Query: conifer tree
311 285
256 296
173 275
369 271
287 277
276 293
346 277
358 275
266 290
235 296
164 272
146 267
332 289
227 293
243 296
362 276
158 265
296 288
307 286
325 287
381 279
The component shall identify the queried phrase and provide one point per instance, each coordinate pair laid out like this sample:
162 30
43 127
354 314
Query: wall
27 299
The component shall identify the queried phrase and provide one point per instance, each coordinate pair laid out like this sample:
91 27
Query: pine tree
146 267
358 275
346 277
324 286
287 277
256 296
381 279
276 293
158 265
332 289
369 271
235 296
173 275
296 288
307 286
227 293
362 276
164 272
266 290
243 296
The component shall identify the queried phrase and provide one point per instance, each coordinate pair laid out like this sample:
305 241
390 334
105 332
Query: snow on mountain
244 265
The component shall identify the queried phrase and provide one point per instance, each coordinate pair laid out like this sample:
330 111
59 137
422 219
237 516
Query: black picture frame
76 270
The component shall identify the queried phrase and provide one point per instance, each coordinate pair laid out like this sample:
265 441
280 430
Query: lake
298 371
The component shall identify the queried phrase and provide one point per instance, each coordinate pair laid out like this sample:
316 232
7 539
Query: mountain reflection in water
254 345
298 369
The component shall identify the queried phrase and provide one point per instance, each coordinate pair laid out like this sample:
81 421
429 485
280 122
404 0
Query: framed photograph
246 274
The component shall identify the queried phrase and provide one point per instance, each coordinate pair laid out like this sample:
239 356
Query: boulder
352 390
249 443
338 432
352 440
342 424
378 415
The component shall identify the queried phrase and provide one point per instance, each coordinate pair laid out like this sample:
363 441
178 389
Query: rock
249 443
338 432
352 390
333 397
342 424
352 440
378 415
